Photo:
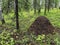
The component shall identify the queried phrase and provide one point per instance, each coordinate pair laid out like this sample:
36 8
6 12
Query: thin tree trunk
45 8
34 3
16 13
26 5
7 11
1 16
49 5
39 6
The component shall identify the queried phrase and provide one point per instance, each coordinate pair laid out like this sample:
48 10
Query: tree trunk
49 5
34 4
26 6
45 8
1 17
39 6
16 13
8 4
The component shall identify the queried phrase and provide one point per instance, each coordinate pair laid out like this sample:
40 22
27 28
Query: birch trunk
1 17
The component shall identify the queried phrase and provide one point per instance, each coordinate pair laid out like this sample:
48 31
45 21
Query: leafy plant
6 39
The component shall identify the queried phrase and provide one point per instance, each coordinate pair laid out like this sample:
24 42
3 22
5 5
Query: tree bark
1 16
34 4
49 5
45 8
39 6
16 13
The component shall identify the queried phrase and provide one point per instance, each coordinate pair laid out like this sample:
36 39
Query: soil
41 26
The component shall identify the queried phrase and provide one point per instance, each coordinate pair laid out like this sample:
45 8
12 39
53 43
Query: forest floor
27 18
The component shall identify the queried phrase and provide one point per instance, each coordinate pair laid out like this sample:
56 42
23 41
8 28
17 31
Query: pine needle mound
41 26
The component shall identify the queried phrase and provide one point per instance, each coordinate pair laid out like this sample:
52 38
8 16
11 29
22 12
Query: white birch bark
1 17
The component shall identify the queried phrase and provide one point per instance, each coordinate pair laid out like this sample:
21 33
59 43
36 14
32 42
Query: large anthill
41 26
